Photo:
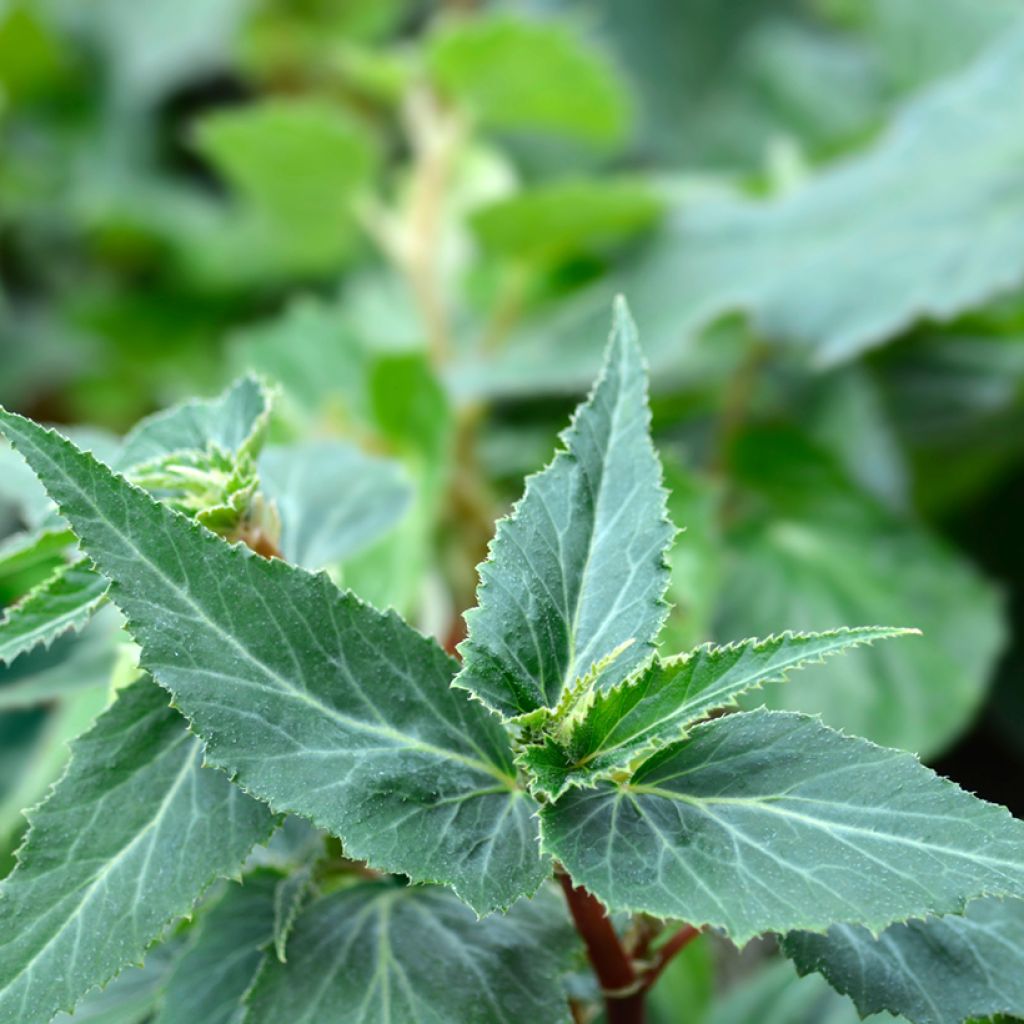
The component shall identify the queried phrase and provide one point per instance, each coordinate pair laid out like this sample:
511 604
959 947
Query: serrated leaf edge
742 940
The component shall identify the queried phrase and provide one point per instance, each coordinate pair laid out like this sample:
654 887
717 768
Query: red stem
611 963
675 944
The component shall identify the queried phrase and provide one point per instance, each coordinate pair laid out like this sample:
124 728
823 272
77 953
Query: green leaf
145 818
73 662
26 551
769 821
688 980
555 220
148 51
659 703
578 569
28 559
808 550
42 757
310 349
332 498
852 259
133 996
313 701
938 971
696 557
777 995
377 952
233 422
19 486
520 74
66 601
297 165
289 896
209 980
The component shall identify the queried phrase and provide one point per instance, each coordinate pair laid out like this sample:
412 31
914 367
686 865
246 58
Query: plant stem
624 992
678 942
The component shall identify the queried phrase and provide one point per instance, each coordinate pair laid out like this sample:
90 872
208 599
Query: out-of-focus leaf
19 487
954 400
32 61
776 995
849 417
152 47
313 352
524 74
842 265
915 41
297 166
28 559
409 406
688 980
695 558
382 394
809 550
554 220
937 971
71 664
208 981
332 498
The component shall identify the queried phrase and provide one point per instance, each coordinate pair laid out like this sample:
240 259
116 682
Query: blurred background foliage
413 217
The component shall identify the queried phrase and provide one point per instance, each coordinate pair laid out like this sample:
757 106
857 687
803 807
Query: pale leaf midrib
753 676
187 768
297 693
769 805
571 671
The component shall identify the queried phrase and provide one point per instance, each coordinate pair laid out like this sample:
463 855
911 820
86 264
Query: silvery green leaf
63 602
333 499
412 955
72 663
210 978
133 996
312 700
656 706
125 843
770 821
578 569
941 970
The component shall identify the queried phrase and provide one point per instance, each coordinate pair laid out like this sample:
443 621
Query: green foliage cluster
386 235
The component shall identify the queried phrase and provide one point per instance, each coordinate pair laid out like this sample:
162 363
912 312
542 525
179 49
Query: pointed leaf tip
596 514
